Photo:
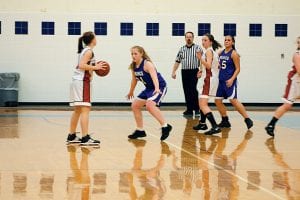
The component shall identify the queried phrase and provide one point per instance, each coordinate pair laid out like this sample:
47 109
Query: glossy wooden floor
35 163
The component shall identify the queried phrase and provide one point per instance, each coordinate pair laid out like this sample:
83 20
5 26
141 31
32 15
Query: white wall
46 62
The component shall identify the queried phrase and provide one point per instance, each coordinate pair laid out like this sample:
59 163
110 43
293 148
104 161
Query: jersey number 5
223 64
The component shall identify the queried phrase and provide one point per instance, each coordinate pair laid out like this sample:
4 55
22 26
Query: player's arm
296 61
208 61
130 94
85 59
149 67
236 60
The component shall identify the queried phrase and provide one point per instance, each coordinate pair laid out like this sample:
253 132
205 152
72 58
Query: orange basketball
103 72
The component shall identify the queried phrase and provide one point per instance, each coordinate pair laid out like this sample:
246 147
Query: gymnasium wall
45 62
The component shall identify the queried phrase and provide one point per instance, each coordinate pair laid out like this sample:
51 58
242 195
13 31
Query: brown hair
86 38
142 51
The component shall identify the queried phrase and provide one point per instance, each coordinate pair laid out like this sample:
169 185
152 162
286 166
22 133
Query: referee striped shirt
187 57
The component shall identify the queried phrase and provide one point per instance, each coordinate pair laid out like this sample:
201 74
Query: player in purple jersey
144 71
229 62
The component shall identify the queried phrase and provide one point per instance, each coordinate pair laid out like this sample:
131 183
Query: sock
165 125
211 119
273 121
202 118
225 119
139 129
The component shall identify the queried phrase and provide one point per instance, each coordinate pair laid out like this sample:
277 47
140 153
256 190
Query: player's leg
202 121
221 94
151 105
280 111
242 110
84 123
75 96
136 108
209 115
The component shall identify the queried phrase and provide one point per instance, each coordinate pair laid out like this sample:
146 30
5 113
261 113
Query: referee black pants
189 83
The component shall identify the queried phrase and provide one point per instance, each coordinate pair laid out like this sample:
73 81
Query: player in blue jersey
229 62
144 71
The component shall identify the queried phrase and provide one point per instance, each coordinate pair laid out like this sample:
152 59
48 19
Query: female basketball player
229 63
209 60
292 91
144 71
80 89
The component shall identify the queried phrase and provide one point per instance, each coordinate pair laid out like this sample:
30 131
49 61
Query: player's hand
199 74
174 75
157 91
101 65
229 83
130 96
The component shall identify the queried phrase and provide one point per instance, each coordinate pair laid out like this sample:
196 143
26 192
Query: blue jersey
145 77
227 67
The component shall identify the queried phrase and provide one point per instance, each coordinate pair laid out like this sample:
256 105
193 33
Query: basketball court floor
35 163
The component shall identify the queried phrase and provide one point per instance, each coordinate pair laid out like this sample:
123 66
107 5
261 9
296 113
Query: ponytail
215 43
80 45
85 40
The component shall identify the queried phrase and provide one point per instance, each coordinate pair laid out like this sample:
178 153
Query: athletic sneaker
200 126
73 139
213 130
249 123
88 141
137 134
188 113
224 124
270 130
165 132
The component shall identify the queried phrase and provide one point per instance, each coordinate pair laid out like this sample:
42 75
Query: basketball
103 72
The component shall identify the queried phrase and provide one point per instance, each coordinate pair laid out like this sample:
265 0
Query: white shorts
210 87
292 90
80 93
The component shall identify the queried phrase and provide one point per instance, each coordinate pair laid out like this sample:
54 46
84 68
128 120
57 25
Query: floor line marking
219 167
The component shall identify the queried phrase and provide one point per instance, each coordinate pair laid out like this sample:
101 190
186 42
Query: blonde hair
142 51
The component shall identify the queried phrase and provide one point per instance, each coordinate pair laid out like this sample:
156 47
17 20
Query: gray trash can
9 90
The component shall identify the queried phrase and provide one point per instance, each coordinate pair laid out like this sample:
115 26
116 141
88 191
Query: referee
190 66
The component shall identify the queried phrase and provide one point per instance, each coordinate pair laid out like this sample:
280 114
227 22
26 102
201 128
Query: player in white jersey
80 89
292 91
209 60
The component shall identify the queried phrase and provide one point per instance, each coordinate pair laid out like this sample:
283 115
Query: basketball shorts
209 88
80 93
148 95
224 92
292 90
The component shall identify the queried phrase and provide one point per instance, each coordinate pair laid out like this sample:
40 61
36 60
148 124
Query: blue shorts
148 95
224 92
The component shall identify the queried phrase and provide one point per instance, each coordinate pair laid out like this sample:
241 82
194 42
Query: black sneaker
188 113
200 126
137 134
213 130
197 113
249 123
88 141
224 124
73 139
270 130
165 132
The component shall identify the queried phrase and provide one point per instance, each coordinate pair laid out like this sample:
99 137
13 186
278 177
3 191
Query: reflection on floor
35 163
